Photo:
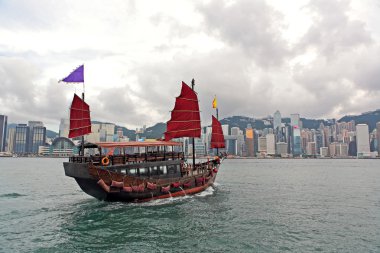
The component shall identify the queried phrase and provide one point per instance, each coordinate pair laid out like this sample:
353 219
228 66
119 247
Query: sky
318 58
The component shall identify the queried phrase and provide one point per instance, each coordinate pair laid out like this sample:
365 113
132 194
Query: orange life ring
105 161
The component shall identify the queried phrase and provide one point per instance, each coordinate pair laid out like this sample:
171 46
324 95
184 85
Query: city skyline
305 60
273 116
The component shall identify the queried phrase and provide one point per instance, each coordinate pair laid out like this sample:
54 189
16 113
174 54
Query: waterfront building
249 143
231 144
296 141
271 144
61 147
352 150
311 149
324 151
342 149
37 138
11 139
332 149
362 140
276 121
22 139
282 148
3 131
262 145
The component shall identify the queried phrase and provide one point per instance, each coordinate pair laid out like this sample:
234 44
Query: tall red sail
80 122
217 137
185 120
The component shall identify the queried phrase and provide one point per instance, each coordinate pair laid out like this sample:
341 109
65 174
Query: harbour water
285 205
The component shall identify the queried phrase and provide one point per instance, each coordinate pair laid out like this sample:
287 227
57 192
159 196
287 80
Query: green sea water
255 206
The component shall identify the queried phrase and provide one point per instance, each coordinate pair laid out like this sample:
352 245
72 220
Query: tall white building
235 130
271 144
282 148
295 120
64 127
262 144
225 129
276 120
362 140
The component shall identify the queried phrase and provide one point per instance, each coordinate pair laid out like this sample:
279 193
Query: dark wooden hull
86 181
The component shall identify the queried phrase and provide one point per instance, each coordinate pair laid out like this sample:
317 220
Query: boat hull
90 185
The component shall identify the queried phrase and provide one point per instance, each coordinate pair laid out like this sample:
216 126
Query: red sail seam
80 127
189 99
190 120
174 131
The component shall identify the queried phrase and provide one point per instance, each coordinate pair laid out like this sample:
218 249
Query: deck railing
129 158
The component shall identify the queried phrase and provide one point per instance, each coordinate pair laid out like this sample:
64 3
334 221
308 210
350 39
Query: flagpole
82 146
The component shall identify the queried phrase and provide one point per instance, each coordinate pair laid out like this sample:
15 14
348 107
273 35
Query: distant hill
51 134
157 131
369 118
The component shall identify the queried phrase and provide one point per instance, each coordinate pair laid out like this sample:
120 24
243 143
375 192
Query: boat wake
12 195
209 191
159 202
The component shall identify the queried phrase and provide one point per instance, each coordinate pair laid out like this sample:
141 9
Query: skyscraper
22 139
3 131
271 144
295 120
276 120
362 140
296 141
249 141
11 139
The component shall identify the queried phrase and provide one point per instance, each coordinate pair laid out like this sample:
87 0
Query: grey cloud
332 31
22 98
253 26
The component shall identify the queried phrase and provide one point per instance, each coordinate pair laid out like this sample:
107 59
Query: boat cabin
155 159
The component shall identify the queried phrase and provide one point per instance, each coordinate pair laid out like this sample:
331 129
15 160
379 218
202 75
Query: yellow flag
214 103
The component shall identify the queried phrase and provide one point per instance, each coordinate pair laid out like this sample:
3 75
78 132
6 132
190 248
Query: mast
82 145
185 118
192 87
217 117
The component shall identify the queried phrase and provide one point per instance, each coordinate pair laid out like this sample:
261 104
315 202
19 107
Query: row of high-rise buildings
23 138
279 139
337 139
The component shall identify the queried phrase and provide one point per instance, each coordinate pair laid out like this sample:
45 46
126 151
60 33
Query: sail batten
217 137
80 120
185 118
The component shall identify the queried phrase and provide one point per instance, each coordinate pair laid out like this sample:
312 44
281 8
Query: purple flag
76 76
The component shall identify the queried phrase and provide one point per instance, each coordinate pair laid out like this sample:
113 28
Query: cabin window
172 169
153 171
143 172
132 171
163 170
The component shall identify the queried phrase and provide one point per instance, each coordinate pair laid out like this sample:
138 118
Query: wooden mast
192 87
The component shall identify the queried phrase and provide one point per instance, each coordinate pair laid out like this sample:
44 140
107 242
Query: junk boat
157 170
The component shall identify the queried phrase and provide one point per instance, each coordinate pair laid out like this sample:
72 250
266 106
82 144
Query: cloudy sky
320 58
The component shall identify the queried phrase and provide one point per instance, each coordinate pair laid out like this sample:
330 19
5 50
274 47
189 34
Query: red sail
217 137
185 120
80 123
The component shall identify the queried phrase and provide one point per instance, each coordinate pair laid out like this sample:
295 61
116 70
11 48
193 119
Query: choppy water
256 206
